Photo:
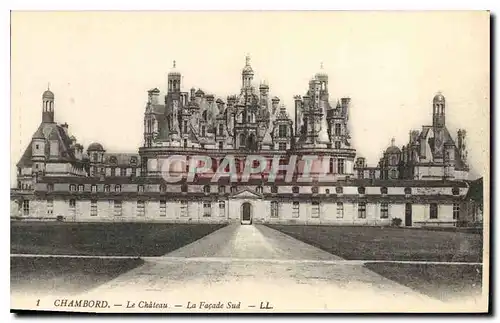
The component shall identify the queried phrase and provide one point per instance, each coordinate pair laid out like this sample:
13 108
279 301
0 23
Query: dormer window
206 189
455 191
314 190
80 188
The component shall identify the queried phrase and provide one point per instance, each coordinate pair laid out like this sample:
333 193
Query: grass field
117 239
64 276
444 282
383 243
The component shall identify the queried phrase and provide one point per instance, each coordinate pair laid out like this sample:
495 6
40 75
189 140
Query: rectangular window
433 208
184 208
340 166
315 209
141 210
72 188
140 188
274 209
362 210
456 211
207 209
163 208
282 146
80 188
282 133
50 207
340 210
50 187
338 128
72 204
296 209
337 145
93 208
332 166
222 208
360 174
123 172
221 145
372 174
93 188
117 208
26 207
384 210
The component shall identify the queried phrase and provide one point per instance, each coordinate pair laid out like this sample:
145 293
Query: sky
391 64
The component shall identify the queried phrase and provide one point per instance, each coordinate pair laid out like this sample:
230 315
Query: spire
48 86
392 142
247 60
174 63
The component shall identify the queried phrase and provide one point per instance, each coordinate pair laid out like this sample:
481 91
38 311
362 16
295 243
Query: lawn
118 239
64 276
384 243
444 282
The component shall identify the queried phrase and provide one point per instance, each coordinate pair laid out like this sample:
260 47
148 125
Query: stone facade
422 184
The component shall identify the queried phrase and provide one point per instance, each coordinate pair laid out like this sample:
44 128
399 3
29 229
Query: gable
246 194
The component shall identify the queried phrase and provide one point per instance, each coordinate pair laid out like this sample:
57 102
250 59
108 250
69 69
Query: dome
438 97
174 71
263 86
199 93
392 149
95 146
48 95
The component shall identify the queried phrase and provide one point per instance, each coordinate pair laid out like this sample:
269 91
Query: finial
321 66
174 63
48 86
392 142
247 59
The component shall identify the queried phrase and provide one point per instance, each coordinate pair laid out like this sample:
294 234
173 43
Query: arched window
106 188
118 188
394 174
163 188
234 189
259 189
327 191
339 189
383 190
361 190
295 189
206 189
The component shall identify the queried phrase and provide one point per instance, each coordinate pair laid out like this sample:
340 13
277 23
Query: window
140 188
185 143
274 209
222 208
315 209
234 189
222 189
123 172
206 189
340 210
259 189
340 166
185 126
361 174
117 208
80 188
221 131
361 190
184 188
433 210
163 208
141 210
295 190
327 191
282 133
337 145
93 188
372 174
36 146
93 208
207 209
383 190
282 146
339 189
314 190
221 145
184 208
163 188
296 209
26 207
362 210
338 129
274 189
72 204
203 132
106 188
384 210
394 174
407 191
50 207
118 188
455 191
456 211
50 187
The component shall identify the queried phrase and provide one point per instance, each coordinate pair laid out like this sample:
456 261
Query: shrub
396 222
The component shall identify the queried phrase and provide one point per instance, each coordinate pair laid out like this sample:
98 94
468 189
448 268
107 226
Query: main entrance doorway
246 213
408 220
